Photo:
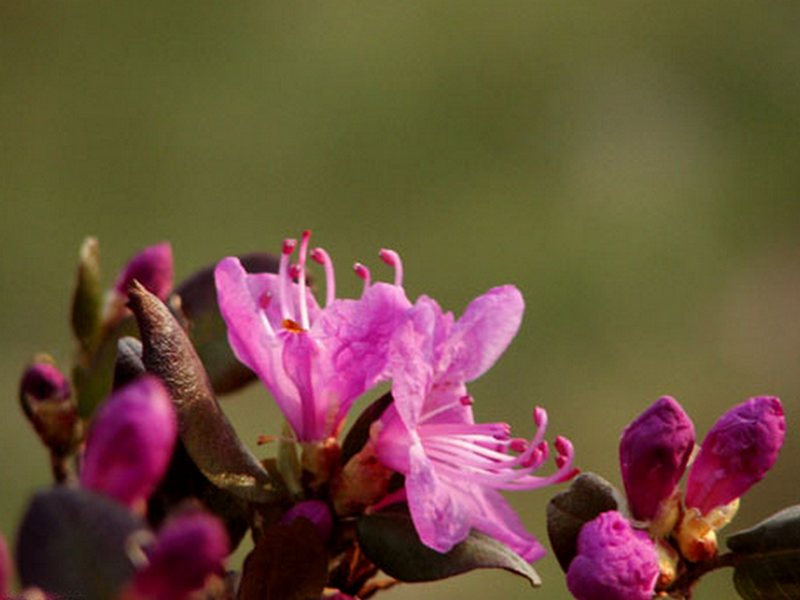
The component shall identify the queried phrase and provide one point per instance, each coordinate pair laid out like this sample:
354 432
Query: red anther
539 416
361 271
518 445
390 257
295 271
288 246
319 256
466 400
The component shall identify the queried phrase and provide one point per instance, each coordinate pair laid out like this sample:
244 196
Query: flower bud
152 267
45 396
738 451
653 452
5 569
188 550
130 442
614 561
315 511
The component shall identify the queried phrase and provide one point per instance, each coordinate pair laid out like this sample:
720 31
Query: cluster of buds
667 532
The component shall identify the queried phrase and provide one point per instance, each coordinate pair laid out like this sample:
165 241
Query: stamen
445 407
294 273
302 263
321 257
392 258
363 273
284 276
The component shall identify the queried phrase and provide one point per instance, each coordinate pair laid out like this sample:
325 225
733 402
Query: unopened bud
315 511
737 452
5 569
188 550
152 267
654 450
45 397
130 442
614 561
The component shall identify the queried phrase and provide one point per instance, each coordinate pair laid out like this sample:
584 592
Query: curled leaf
205 431
587 496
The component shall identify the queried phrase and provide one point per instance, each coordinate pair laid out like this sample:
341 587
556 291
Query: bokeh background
631 166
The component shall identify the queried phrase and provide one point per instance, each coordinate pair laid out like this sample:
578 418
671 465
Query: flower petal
494 516
482 333
439 515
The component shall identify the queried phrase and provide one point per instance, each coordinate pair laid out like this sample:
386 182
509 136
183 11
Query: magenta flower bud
653 452
42 381
738 451
45 396
130 442
152 267
315 511
5 569
188 550
614 561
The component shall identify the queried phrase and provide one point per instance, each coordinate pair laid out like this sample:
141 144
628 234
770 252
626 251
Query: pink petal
494 516
237 295
439 518
483 333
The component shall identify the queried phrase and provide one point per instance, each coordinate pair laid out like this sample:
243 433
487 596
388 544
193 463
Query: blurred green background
632 167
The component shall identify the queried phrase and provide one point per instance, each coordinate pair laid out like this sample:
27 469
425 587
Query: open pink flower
315 361
453 467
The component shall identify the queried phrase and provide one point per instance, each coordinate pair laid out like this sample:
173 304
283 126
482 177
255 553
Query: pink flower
130 442
653 452
737 452
188 550
614 561
315 361
453 467
5 569
152 267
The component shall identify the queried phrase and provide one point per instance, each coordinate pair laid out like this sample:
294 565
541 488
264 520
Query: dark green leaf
88 296
204 429
289 562
359 432
588 496
72 544
767 561
198 306
93 380
389 539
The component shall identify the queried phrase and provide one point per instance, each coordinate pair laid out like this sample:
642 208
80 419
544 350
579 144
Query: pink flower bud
614 561
187 551
152 267
738 451
5 569
315 511
653 453
130 442
45 397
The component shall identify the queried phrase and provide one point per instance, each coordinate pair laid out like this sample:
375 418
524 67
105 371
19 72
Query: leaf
205 431
389 539
359 432
87 297
289 562
207 330
567 512
72 544
93 380
767 557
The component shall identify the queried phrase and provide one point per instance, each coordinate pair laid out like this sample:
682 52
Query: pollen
292 326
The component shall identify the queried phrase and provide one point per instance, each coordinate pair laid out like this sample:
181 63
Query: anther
392 258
